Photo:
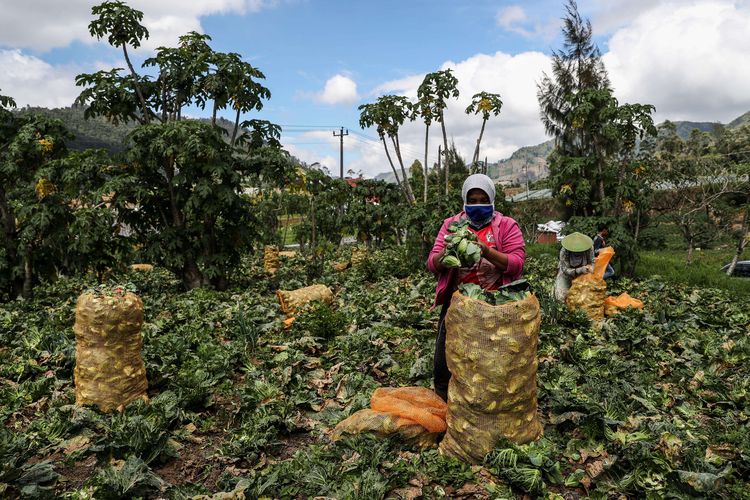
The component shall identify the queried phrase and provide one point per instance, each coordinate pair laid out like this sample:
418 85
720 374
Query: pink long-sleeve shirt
508 239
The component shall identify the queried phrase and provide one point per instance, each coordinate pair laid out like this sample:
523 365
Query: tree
736 146
53 216
122 27
181 194
485 103
575 69
190 74
387 114
426 109
697 184
437 88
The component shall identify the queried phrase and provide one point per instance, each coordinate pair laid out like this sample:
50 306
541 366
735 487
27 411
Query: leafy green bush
321 321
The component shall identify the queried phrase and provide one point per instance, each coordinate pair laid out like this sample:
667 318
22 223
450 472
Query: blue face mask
479 215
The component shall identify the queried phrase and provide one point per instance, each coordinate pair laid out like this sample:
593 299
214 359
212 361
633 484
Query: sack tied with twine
491 352
109 368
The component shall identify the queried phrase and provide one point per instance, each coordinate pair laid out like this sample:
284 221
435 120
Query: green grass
704 272
535 250
670 264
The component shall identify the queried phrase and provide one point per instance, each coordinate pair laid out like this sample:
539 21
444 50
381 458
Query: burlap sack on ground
588 292
492 356
291 301
109 368
289 254
417 414
358 255
613 305
271 259
142 267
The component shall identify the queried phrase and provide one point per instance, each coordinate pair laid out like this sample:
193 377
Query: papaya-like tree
183 194
388 114
52 210
425 109
487 104
122 27
437 88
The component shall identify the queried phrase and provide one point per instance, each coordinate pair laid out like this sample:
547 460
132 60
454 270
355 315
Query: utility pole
526 166
438 165
341 136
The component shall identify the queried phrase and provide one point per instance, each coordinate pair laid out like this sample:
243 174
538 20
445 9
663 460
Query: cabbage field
650 404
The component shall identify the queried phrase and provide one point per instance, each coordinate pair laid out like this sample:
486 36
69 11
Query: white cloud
514 77
339 89
57 24
510 16
691 61
31 81
514 19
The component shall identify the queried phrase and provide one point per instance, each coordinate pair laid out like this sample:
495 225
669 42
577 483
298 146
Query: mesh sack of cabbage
492 356
359 254
416 414
109 368
271 259
292 301
588 293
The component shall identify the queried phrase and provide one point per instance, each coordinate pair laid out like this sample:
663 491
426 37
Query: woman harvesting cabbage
498 261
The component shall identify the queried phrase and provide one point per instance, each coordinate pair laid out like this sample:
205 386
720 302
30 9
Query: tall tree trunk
313 223
393 167
741 242
475 159
213 114
424 168
445 152
409 192
164 102
236 126
192 278
28 276
137 85
8 219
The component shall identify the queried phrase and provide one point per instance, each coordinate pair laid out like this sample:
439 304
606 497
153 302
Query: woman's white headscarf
479 181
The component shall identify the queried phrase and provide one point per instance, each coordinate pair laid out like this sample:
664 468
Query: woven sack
358 256
417 414
271 259
492 356
587 292
109 368
291 301
613 305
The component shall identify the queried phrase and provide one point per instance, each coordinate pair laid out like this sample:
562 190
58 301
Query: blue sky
324 58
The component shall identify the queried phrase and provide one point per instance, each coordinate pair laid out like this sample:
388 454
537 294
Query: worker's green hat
577 242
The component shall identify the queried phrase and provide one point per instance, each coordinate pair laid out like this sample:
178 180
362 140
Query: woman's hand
497 258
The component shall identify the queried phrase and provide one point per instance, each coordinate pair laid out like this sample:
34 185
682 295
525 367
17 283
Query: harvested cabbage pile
461 249
517 290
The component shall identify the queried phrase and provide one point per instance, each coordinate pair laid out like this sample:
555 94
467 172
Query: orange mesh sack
602 259
293 300
492 356
418 404
588 292
384 424
109 368
271 259
613 305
